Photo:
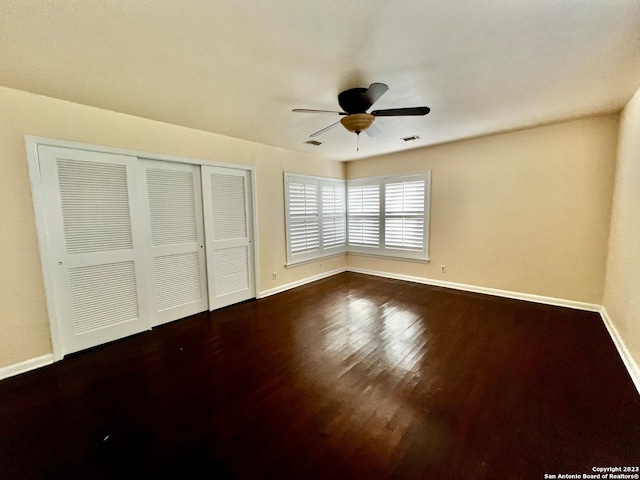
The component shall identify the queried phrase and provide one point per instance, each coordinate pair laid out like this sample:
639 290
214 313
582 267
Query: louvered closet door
174 249
228 224
95 245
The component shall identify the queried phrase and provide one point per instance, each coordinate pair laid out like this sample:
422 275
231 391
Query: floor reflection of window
403 337
357 329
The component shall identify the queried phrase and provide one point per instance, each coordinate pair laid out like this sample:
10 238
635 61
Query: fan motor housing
354 100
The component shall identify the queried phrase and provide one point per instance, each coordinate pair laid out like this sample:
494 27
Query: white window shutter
303 218
364 214
303 199
389 216
305 235
404 214
303 210
404 197
333 201
334 230
364 231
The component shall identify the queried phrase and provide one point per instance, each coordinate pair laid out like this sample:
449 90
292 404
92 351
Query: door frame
33 162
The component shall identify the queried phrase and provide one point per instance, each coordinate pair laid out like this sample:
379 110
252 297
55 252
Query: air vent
315 143
411 138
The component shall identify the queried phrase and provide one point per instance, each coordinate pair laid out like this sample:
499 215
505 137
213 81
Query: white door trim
32 143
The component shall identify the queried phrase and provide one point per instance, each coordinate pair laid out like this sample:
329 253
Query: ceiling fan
355 102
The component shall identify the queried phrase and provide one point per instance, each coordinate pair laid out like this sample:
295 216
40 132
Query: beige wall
24 328
527 211
622 284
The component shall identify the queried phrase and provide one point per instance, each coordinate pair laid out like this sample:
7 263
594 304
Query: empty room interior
320 239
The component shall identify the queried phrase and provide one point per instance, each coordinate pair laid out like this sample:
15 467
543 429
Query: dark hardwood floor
348 377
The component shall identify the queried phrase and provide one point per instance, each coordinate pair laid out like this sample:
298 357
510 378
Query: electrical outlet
274 275
443 269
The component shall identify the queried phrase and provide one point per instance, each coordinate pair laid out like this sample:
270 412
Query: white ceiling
238 67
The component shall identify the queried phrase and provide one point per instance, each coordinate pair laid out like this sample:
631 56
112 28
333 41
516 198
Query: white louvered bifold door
227 203
174 249
95 245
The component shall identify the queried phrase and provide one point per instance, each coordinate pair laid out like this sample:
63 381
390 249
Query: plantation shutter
389 216
303 217
334 233
364 214
404 205
315 217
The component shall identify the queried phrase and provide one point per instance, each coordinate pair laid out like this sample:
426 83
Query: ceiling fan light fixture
357 122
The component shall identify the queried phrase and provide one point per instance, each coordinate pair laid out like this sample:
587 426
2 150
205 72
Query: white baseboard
26 366
298 283
560 302
629 362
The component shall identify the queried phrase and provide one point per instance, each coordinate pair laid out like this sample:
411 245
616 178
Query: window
385 216
315 217
364 214
389 216
334 231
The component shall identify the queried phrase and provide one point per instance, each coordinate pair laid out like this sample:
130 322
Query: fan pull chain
357 141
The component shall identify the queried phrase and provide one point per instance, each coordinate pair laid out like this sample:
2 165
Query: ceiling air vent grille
315 143
411 138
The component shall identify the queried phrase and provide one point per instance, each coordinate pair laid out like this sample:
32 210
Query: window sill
389 257
313 260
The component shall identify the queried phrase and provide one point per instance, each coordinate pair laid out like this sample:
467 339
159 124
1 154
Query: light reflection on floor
367 350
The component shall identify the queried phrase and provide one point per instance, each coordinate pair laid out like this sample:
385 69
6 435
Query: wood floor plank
352 376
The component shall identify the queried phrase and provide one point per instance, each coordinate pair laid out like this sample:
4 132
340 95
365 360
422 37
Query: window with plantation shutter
383 216
388 216
404 214
334 232
303 212
315 217
364 214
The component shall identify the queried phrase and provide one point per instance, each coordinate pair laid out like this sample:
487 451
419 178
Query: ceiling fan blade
307 110
397 112
373 131
374 92
324 129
